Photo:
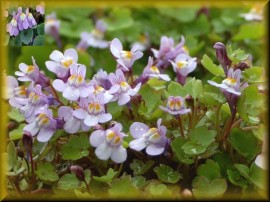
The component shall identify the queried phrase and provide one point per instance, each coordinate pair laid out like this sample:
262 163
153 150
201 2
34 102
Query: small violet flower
95 38
32 73
43 126
16 94
61 63
31 20
124 58
109 144
153 139
40 8
102 78
36 101
231 84
12 27
22 20
97 89
120 89
175 106
75 86
92 110
52 24
255 14
183 65
72 123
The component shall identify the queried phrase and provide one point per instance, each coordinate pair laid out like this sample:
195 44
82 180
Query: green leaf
180 14
106 178
39 41
139 168
210 170
236 55
121 186
119 18
245 143
253 74
156 83
46 172
17 133
246 31
15 115
40 29
114 109
243 170
26 35
203 189
193 148
202 135
178 151
12 155
258 176
139 181
176 89
167 174
68 182
15 41
76 148
236 178
224 161
198 27
75 28
211 67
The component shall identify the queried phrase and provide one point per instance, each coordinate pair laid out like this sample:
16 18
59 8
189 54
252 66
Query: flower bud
189 100
242 66
27 140
222 57
78 171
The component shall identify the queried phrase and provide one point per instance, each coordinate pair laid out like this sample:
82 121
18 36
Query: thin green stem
56 95
181 127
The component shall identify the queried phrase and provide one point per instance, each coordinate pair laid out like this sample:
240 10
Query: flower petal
116 47
119 154
138 144
59 85
71 53
31 128
135 90
104 117
80 113
138 129
71 93
91 120
56 56
65 112
45 134
97 138
124 98
103 151
72 125
23 67
154 150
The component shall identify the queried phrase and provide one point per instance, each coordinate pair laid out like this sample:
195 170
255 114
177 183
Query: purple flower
231 84
72 123
109 144
153 139
75 86
175 106
22 20
43 126
61 63
120 89
95 38
32 73
36 101
40 8
221 54
15 93
31 20
183 65
124 58
102 78
97 89
167 51
92 110
52 24
152 71
12 27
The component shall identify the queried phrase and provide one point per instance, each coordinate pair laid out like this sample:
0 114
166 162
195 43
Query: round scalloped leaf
17 133
39 41
167 174
106 178
40 29
15 41
26 36
46 172
76 148
68 181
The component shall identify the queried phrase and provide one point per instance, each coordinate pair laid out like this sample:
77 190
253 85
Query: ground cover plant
140 103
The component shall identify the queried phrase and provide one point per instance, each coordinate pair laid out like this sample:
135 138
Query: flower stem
56 95
181 127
